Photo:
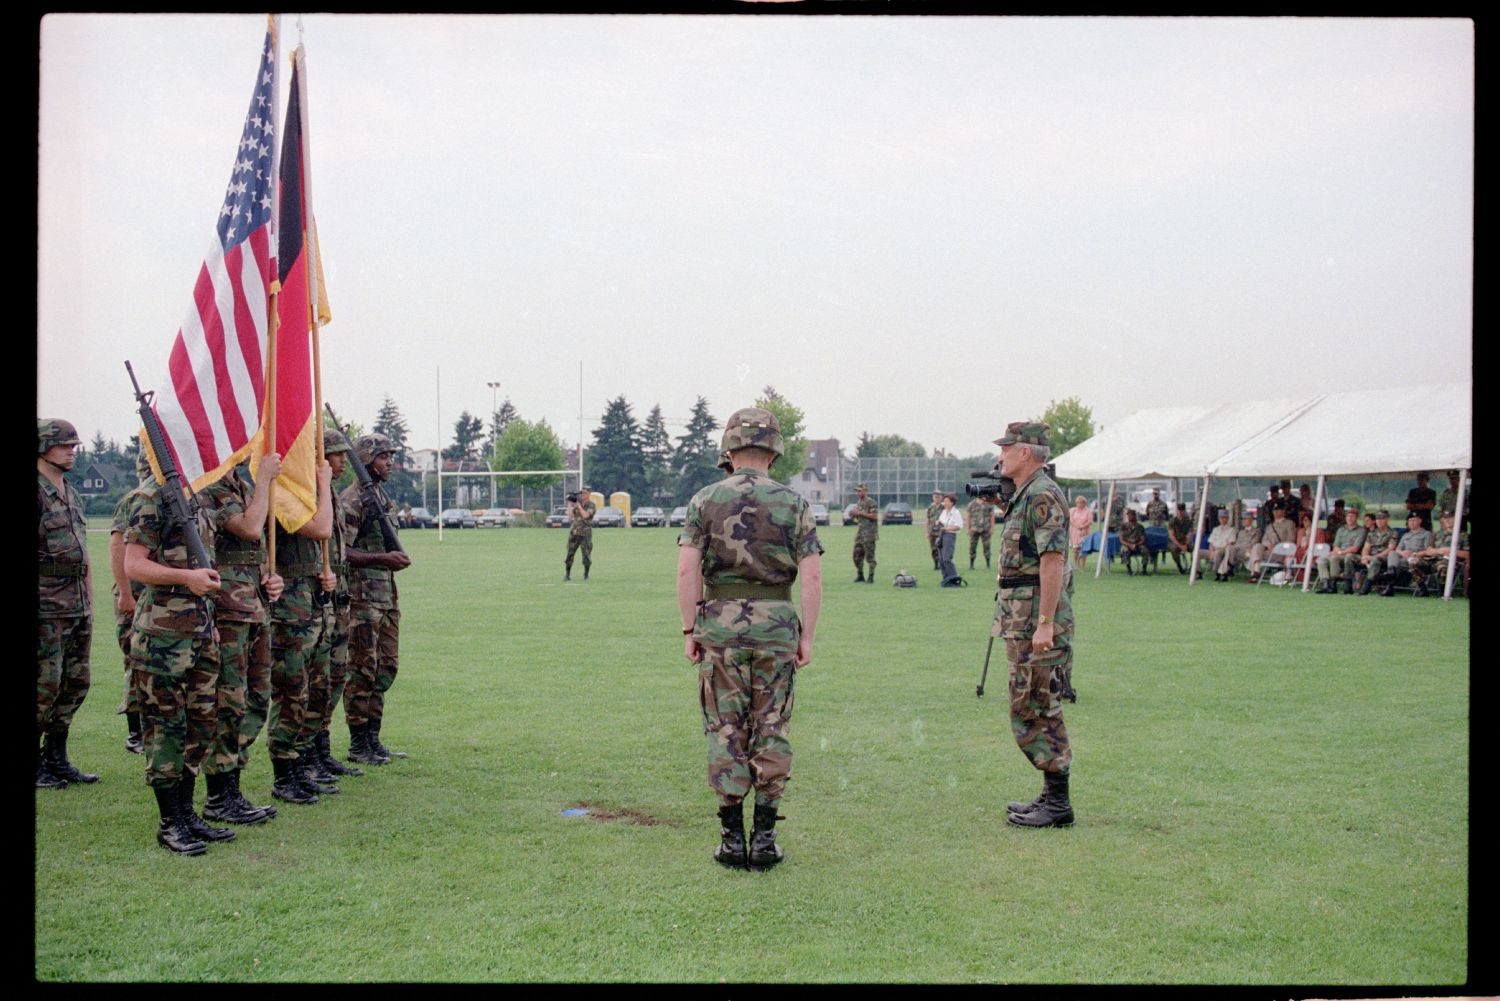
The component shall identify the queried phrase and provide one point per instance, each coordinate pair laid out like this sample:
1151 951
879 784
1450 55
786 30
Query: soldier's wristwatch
1042 620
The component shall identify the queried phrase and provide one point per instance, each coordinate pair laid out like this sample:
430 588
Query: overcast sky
926 226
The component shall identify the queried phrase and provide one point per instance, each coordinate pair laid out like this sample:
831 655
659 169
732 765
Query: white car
495 517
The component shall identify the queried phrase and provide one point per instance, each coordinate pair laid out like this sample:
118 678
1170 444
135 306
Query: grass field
1271 788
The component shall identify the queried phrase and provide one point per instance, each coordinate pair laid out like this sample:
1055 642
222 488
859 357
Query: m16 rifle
180 504
370 494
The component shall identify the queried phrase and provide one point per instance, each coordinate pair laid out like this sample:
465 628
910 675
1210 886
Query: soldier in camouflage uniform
1342 559
1431 564
1448 499
126 593
935 531
1180 531
297 624
176 653
1034 615
1133 543
867 515
980 517
336 633
1380 542
65 611
1156 515
580 531
375 608
746 539
238 505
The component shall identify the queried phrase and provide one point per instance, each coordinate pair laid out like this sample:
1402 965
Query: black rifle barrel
181 506
370 493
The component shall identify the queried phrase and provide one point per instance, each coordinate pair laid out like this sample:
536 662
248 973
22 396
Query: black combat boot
44 778
286 787
359 746
55 751
1388 578
871 578
172 834
585 571
222 804
135 743
1025 808
859 577
311 775
764 851
1368 584
241 801
190 819
1348 585
379 748
330 763
567 573
1054 810
731 850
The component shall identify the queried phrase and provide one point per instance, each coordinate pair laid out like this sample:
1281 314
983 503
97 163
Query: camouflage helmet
52 431
334 442
752 426
371 445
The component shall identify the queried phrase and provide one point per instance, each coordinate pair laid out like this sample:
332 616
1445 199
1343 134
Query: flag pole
272 319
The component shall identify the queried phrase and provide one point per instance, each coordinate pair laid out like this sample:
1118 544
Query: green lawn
1271 788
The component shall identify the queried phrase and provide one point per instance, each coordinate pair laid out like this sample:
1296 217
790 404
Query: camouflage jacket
1448 499
1037 523
1442 539
584 526
1133 535
1346 538
167 610
933 510
981 517
869 528
119 522
1181 529
1157 512
1378 540
240 561
374 586
750 530
62 552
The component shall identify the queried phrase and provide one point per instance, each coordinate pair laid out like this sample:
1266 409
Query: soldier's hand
325 474
125 603
804 652
274 586
328 580
204 581
397 561
691 650
270 466
1041 639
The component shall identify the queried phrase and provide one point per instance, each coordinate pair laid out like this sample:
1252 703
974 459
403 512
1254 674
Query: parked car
609 517
420 517
559 518
820 514
896 513
458 517
648 517
678 517
495 517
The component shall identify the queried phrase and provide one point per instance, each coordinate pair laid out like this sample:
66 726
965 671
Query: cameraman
581 533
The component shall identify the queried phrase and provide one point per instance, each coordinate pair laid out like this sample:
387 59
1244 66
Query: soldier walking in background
867 517
65 611
980 516
745 540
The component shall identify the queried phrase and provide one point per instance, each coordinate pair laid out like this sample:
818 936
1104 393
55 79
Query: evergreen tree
466 431
656 452
793 439
696 457
615 461
390 423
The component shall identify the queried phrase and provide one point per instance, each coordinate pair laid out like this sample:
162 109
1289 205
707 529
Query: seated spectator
1431 564
1238 551
1380 542
1448 499
1133 542
1398 563
1343 559
1220 541
1279 530
1306 536
1273 501
1336 518
1420 501
1180 539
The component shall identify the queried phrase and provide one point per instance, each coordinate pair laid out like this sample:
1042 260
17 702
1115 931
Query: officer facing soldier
745 540
65 613
867 516
1034 615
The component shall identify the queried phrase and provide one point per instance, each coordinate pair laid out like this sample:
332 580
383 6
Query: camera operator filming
581 509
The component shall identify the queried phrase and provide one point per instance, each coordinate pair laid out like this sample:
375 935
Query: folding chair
1281 556
1318 551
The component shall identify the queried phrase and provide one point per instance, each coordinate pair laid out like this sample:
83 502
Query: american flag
211 409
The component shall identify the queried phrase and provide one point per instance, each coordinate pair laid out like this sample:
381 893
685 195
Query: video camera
1000 487
571 498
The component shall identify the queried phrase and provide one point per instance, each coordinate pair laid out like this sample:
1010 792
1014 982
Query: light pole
494 433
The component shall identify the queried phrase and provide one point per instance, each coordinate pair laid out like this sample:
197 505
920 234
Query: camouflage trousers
746 697
130 701
975 539
257 693
320 680
244 653
1432 572
297 622
62 670
374 648
338 666
864 550
935 543
178 678
1038 681
577 542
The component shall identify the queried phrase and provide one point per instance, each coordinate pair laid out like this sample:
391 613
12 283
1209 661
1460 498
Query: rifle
370 494
181 506
979 688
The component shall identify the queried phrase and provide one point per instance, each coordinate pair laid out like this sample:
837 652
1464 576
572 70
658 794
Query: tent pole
1458 527
1104 533
1198 532
1312 536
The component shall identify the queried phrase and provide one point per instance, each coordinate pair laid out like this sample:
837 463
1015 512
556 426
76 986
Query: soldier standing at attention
934 530
581 531
867 514
981 525
65 611
1034 615
374 609
336 634
745 540
126 593
238 505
